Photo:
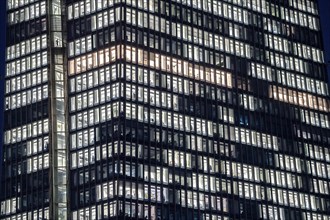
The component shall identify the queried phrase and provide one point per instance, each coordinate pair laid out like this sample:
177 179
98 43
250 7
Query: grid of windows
157 109
197 109
25 188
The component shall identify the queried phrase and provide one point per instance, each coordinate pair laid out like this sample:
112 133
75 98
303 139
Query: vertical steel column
58 102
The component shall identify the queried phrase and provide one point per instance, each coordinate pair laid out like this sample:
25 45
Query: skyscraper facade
165 109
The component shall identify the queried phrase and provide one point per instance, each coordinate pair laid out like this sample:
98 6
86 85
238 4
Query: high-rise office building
35 166
165 109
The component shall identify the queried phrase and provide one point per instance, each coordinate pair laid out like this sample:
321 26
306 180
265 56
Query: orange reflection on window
152 60
298 98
